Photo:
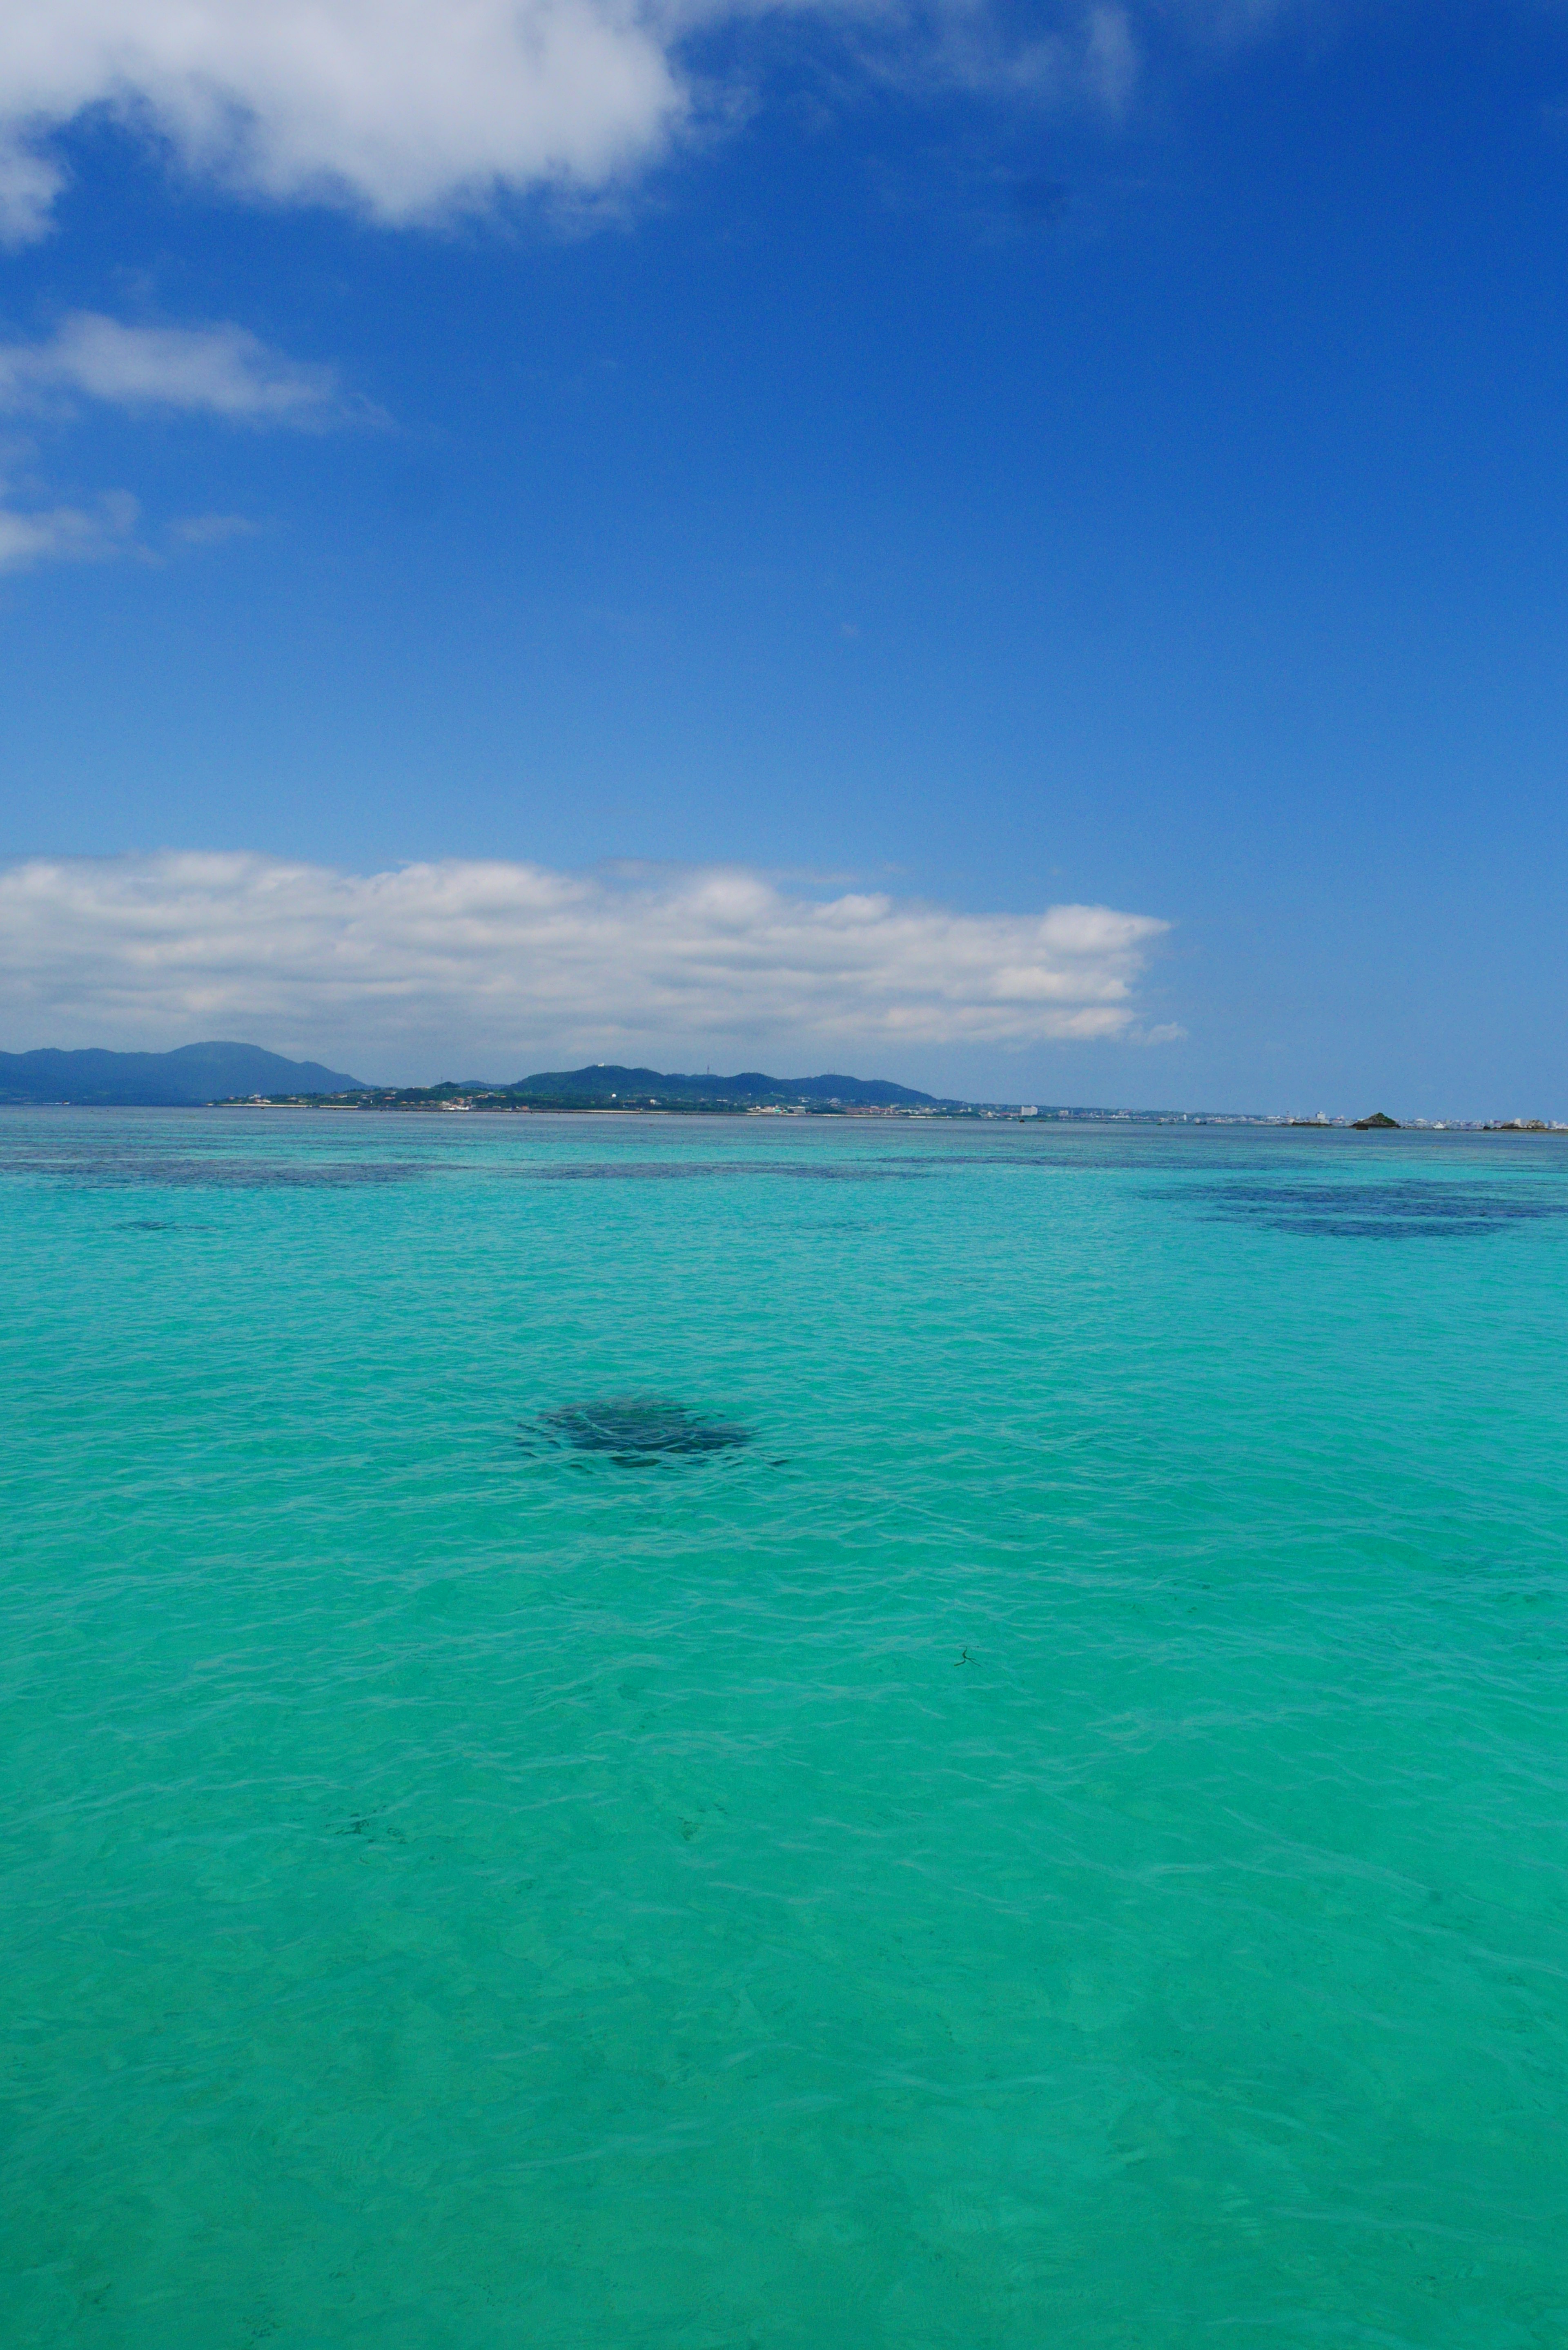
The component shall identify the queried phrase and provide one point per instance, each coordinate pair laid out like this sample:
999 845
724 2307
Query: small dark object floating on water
640 1428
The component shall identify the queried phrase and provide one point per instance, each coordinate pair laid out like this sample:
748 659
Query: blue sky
954 462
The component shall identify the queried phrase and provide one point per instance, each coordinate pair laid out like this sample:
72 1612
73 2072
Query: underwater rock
640 1428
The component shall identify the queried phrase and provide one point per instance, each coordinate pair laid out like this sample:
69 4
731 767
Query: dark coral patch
640 1428
1421 1210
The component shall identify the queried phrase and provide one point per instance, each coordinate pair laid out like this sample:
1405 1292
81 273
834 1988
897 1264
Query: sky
1014 549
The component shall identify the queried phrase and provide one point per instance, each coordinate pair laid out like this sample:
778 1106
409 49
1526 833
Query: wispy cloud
509 960
1088 54
221 370
212 529
66 534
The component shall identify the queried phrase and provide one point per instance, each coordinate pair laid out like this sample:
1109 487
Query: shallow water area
1059 1838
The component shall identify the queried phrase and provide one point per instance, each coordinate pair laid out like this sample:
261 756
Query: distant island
608 1085
220 1076
190 1076
603 1083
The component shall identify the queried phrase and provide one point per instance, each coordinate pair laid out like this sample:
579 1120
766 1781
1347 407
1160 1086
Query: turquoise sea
1060 1838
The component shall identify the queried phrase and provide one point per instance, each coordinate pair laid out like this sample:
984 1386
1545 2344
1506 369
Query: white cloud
29 183
403 108
406 110
504 963
66 534
221 370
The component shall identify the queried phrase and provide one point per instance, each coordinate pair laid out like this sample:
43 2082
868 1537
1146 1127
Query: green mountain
195 1073
605 1081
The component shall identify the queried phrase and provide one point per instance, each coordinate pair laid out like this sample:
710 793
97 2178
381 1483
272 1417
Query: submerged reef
1426 1209
638 1427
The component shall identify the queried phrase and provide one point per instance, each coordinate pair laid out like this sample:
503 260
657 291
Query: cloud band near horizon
485 960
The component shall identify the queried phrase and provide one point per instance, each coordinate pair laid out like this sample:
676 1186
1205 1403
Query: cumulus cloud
400 106
510 962
223 371
405 110
67 533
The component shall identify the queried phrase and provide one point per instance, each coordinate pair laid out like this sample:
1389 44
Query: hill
193 1072
605 1081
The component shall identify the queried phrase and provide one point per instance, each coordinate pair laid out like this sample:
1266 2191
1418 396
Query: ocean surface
715 1734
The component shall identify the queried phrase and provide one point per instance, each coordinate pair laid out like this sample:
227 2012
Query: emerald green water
1060 1839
